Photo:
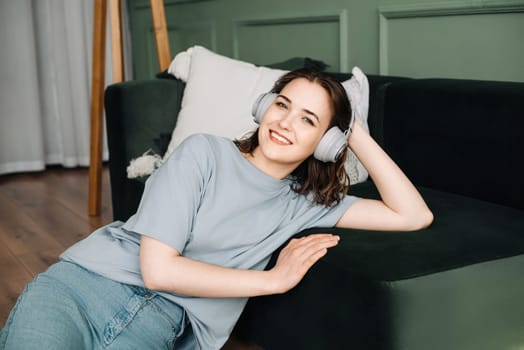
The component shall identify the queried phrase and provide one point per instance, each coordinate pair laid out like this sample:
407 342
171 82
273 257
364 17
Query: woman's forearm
164 269
189 277
398 194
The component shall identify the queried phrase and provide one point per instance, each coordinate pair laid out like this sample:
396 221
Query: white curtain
45 86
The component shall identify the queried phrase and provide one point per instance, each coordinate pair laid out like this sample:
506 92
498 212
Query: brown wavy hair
327 182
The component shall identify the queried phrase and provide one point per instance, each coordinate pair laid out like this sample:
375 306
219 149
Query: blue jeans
68 307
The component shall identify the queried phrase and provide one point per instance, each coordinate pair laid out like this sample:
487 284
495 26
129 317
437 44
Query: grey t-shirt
210 204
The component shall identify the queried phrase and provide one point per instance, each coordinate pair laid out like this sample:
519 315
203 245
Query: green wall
475 39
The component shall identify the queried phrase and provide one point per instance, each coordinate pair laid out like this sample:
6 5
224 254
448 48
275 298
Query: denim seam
122 319
182 324
5 331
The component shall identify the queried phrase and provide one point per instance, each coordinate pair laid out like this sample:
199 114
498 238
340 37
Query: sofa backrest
462 136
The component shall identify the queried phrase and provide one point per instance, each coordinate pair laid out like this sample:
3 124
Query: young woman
178 273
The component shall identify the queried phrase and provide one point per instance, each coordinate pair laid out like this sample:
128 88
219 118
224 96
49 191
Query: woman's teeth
280 138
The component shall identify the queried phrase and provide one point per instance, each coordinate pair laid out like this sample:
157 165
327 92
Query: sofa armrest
137 113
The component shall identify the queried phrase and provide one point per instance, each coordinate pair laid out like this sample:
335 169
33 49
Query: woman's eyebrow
285 98
305 110
312 114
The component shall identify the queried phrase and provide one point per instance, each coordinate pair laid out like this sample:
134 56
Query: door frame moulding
339 17
437 9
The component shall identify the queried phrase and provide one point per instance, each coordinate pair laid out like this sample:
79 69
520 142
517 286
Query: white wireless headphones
331 145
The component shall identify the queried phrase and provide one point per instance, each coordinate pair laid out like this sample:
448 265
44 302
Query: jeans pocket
145 321
174 315
122 318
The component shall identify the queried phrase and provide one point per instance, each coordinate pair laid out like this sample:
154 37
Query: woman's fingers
310 246
300 255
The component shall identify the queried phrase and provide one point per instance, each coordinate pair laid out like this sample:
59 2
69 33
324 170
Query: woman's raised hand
297 258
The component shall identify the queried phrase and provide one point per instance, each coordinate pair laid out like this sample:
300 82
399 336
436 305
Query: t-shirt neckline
266 180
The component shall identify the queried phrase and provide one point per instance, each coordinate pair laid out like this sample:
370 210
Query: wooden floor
41 214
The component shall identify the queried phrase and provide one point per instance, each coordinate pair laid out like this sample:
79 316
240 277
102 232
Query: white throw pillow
218 97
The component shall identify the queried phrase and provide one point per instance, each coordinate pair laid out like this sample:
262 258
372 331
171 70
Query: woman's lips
278 138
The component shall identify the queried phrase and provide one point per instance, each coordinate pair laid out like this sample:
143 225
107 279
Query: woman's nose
286 121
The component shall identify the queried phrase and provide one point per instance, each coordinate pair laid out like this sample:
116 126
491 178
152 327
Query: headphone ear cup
261 105
331 145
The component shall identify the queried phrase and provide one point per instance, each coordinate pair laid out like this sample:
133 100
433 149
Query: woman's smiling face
293 125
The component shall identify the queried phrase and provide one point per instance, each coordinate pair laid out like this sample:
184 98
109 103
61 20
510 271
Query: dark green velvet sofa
458 285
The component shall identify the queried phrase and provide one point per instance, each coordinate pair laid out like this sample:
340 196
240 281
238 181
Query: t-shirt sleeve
172 195
330 216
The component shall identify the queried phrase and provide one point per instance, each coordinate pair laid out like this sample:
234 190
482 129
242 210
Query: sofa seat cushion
429 289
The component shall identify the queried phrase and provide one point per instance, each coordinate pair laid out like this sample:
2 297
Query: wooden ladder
98 77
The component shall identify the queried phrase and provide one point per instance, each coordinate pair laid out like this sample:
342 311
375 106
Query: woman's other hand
298 257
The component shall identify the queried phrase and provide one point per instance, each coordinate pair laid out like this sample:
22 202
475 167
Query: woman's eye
281 105
308 120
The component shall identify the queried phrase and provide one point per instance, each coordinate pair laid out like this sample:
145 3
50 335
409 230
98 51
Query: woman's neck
273 169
